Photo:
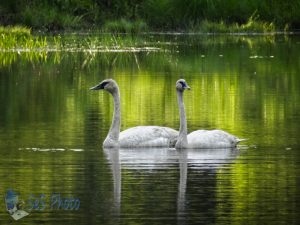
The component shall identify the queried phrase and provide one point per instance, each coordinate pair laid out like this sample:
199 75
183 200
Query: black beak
99 86
187 87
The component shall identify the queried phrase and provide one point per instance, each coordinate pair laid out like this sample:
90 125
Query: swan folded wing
147 136
211 139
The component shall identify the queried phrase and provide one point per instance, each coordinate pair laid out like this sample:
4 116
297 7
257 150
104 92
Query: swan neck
182 138
114 130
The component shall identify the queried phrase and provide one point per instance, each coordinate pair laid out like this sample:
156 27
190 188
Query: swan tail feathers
241 139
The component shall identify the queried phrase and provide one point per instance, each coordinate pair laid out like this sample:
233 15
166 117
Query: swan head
182 85
109 85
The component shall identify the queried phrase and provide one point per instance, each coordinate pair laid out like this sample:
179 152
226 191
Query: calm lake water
52 128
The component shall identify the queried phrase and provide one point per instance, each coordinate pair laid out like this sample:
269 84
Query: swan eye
183 84
104 84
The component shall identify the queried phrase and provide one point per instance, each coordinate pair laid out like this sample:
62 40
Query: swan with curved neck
140 136
200 138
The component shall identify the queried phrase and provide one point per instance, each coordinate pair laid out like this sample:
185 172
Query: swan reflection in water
152 159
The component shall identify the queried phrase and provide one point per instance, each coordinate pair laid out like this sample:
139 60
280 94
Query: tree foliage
171 14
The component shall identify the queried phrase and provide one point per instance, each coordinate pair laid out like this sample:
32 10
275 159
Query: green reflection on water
231 90
246 85
264 188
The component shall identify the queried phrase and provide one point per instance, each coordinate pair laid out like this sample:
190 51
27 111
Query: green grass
222 27
19 37
15 30
253 25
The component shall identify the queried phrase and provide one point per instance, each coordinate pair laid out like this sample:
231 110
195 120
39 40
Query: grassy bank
15 30
19 37
115 36
252 25
136 15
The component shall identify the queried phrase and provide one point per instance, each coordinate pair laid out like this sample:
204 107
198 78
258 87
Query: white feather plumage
147 136
135 137
204 139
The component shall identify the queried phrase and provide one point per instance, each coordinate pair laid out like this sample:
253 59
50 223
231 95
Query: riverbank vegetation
252 25
119 48
152 15
19 37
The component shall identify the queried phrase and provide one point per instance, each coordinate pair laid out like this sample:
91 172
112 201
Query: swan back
200 138
211 139
148 136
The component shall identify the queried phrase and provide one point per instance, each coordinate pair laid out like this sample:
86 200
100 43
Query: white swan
140 136
200 138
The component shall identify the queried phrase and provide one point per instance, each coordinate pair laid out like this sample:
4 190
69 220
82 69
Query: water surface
52 128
